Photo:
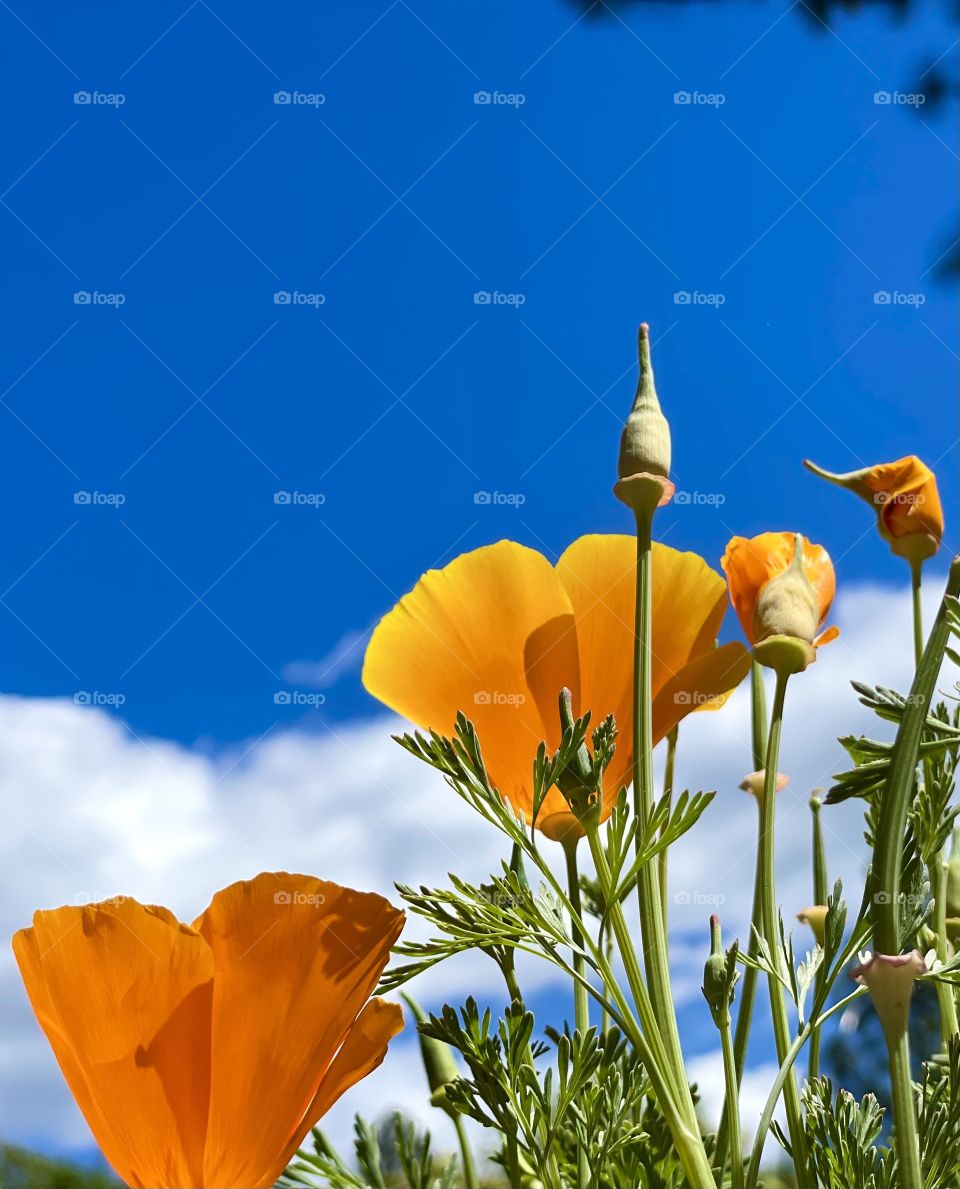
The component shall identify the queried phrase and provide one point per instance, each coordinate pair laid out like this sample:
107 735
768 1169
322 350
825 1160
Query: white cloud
91 811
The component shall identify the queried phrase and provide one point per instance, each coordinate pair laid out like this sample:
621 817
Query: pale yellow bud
787 605
645 441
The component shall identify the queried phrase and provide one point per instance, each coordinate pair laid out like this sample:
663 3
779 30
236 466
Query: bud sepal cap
889 978
643 466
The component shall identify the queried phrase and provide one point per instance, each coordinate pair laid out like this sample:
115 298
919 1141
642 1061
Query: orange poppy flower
499 632
201 1055
905 497
752 563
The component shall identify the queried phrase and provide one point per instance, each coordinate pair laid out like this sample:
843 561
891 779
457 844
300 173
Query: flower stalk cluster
539 690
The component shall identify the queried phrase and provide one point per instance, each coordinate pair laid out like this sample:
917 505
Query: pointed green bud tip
855 481
437 1057
645 442
716 988
517 865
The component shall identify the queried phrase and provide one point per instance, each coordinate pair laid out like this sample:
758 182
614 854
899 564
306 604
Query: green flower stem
581 1002
668 778
758 716
771 932
915 582
898 791
938 868
748 987
753 1170
466 1155
669 1081
904 1113
821 893
732 1103
652 919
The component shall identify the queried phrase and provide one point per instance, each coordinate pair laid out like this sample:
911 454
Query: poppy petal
705 683
490 634
123 993
361 1052
689 602
304 955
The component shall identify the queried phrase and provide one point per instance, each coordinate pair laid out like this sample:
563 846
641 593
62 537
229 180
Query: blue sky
159 205
397 198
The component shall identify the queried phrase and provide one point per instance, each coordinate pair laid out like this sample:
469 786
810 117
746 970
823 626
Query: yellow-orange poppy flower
499 632
201 1055
905 498
751 563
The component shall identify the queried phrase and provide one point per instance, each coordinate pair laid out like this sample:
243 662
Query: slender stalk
758 716
732 1107
652 922
895 803
820 896
668 778
669 1084
653 925
466 1155
771 933
753 1171
904 1113
937 870
748 987
581 1003
901 778
915 582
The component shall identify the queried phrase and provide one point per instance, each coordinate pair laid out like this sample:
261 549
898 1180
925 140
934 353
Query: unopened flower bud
645 442
889 978
787 605
906 501
438 1062
815 916
715 968
753 783
644 462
